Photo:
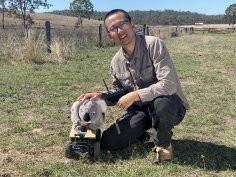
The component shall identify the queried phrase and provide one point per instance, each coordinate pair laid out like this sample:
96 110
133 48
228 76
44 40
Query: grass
56 20
35 100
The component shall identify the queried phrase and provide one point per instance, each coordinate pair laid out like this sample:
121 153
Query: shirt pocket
148 73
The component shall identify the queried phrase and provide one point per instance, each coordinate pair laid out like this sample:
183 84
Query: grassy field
35 100
40 18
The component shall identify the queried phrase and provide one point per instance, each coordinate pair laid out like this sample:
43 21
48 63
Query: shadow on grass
204 155
134 151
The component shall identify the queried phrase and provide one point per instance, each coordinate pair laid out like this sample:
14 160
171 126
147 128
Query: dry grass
210 26
65 38
60 49
33 49
62 20
57 21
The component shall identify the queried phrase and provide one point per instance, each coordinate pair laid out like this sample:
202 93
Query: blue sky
208 7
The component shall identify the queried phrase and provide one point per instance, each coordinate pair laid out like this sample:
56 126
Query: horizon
146 11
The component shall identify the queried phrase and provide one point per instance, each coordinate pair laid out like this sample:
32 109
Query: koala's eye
93 113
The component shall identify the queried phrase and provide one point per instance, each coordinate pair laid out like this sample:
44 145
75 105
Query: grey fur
95 109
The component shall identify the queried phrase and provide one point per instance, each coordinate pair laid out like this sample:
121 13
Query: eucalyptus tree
2 3
81 9
21 7
230 14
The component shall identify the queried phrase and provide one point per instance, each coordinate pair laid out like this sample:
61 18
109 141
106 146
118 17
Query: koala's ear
75 105
79 102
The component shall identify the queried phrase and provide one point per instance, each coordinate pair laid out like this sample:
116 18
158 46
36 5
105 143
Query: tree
20 7
81 9
2 3
230 14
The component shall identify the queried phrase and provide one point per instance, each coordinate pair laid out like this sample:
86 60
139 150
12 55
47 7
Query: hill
166 17
55 19
61 19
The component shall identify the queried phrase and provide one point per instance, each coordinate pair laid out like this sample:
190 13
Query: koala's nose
87 117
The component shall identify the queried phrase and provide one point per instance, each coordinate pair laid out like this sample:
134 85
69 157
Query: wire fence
95 35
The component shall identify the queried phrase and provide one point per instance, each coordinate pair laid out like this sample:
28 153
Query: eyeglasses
120 25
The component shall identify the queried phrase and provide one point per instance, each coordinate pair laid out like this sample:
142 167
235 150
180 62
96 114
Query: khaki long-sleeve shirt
150 70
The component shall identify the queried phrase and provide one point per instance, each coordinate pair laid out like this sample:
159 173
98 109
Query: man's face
120 29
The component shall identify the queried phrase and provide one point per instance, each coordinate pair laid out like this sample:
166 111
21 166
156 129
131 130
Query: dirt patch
191 82
29 116
10 160
229 122
9 156
37 130
5 127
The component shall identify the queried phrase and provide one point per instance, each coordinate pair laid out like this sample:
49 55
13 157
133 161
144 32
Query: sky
208 7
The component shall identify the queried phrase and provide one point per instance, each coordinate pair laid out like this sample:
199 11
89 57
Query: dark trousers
162 114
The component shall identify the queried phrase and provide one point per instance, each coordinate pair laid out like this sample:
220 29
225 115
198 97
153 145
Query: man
155 99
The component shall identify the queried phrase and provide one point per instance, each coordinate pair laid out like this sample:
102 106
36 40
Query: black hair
127 16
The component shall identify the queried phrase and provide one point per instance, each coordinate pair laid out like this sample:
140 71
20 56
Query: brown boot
163 154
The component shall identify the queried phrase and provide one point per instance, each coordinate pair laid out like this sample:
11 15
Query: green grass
35 101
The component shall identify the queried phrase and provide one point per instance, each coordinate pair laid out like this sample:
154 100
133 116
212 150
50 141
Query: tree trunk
24 15
3 15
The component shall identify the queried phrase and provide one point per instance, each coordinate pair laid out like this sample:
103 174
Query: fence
95 35
215 30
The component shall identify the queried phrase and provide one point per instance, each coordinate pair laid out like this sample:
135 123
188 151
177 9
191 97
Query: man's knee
163 111
163 105
113 140
125 132
116 136
109 139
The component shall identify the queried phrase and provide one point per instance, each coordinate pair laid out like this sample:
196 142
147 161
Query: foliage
65 12
81 9
230 14
166 17
171 17
2 3
21 7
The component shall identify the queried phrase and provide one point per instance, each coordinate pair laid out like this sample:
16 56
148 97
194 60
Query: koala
88 113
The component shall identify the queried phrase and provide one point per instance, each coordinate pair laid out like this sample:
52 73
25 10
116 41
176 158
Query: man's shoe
163 154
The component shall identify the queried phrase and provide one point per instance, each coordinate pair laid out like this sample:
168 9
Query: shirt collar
137 51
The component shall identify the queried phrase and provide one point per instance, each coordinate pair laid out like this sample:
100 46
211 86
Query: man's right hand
127 100
90 96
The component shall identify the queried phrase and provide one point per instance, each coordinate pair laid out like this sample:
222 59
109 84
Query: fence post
148 30
100 35
48 36
144 29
